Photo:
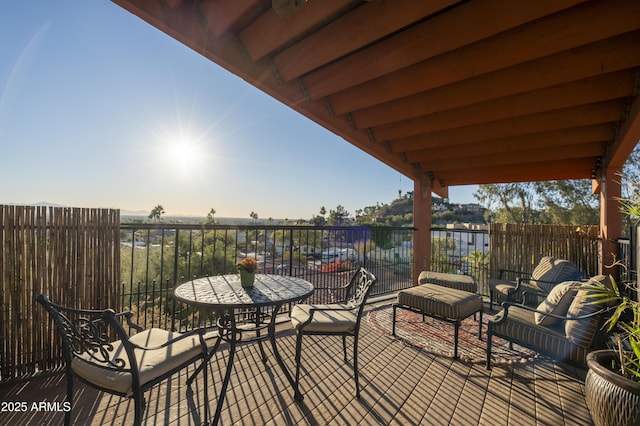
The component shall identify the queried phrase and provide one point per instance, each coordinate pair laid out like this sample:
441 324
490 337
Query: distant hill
400 212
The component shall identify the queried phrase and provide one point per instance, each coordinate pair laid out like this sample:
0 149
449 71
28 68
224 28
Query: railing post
176 251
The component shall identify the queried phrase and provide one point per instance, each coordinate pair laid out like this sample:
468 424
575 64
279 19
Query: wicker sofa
565 326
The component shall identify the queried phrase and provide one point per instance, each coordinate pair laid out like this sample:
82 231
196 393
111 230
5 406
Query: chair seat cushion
152 364
325 319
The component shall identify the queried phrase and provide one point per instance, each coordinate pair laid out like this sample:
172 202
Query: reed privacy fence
71 254
518 247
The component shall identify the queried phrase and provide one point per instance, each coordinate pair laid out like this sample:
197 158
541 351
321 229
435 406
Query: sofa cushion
557 302
582 332
551 271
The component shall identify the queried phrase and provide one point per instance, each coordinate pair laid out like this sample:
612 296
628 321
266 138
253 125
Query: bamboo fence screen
70 254
519 247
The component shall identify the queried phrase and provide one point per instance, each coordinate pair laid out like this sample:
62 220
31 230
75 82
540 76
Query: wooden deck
401 385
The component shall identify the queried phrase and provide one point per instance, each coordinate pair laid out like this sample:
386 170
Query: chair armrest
538 290
519 273
112 318
128 315
312 311
539 294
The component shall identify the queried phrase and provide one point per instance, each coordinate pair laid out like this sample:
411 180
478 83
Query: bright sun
184 155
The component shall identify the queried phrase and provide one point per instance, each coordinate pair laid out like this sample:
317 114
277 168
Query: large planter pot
612 399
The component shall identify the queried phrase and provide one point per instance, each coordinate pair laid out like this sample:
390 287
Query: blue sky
100 109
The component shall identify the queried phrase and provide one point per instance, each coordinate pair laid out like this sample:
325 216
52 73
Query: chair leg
355 364
206 389
455 339
393 321
344 347
297 394
489 335
139 403
67 415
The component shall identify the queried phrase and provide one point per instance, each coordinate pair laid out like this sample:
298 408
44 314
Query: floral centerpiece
247 268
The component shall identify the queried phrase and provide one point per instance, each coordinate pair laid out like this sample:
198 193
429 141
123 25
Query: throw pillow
557 302
581 332
551 271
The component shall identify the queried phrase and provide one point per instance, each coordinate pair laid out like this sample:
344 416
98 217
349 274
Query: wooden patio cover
446 92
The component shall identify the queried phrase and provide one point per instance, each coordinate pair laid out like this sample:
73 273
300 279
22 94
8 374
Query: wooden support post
610 218
422 223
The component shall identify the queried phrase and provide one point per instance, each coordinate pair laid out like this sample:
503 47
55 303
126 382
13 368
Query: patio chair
548 273
565 326
340 319
98 351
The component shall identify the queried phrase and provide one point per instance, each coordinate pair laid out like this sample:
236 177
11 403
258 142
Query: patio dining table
243 313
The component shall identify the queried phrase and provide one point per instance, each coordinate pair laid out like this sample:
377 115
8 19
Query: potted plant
612 385
247 268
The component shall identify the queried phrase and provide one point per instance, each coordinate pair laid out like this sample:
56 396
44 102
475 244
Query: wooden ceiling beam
584 115
627 138
221 15
467 23
524 156
602 57
579 168
601 88
351 32
574 136
270 32
543 37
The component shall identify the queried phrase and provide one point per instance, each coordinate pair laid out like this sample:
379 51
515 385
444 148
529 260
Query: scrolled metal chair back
359 287
89 332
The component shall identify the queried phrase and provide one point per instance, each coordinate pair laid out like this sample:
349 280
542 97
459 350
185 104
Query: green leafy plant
626 320
626 315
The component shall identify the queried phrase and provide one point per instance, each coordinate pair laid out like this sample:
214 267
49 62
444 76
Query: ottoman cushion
441 301
459 282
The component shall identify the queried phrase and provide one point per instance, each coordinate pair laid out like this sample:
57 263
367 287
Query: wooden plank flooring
400 385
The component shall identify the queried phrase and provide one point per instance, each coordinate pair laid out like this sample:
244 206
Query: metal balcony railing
157 257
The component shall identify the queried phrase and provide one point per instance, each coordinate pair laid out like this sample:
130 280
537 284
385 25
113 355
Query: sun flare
184 155
184 151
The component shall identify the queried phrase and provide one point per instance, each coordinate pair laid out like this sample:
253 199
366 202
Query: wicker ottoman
442 303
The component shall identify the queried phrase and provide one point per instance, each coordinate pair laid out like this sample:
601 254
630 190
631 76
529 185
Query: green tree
338 217
253 215
509 202
478 265
319 220
211 216
156 212
567 202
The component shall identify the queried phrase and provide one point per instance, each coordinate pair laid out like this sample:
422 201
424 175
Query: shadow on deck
400 385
